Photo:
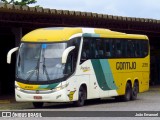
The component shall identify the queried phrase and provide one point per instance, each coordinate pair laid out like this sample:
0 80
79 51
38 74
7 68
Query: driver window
85 51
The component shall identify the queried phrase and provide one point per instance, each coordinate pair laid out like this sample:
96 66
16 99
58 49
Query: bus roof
60 34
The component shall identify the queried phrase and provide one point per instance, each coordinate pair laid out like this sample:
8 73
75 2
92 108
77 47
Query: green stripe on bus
103 74
50 86
100 75
107 70
90 35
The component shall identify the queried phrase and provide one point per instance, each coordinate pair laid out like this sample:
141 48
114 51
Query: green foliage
22 2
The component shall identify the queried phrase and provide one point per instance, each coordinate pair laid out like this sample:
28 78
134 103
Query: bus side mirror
65 53
10 54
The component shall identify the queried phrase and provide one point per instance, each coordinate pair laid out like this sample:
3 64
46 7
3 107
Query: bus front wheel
82 95
38 104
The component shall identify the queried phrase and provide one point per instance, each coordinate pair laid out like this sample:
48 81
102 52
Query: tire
38 104
135 91
128 92
82 95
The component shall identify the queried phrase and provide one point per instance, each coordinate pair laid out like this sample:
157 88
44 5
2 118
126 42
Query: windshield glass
41 62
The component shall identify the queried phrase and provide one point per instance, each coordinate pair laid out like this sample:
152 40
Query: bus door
87 68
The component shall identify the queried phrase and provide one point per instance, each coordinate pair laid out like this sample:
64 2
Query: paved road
148 101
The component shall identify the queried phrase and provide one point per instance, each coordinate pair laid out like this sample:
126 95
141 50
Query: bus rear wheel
38 104
135 91
128 92
82 95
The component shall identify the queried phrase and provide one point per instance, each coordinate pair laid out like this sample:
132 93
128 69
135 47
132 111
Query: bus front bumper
58 96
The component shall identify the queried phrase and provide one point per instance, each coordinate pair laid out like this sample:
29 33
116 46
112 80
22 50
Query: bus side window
113 48
124 48
85 50
137 49
130 50
93 49
144 48
107 48
134 52
118 51
69 66
73 55
110 48
99 48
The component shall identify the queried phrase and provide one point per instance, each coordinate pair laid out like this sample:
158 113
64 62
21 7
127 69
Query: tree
19 2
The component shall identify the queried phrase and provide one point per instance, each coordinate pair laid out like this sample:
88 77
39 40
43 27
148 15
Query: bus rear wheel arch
82 96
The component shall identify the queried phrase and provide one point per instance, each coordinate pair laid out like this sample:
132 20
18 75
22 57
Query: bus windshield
41 62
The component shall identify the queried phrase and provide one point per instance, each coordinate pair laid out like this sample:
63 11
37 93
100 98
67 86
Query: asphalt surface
147 101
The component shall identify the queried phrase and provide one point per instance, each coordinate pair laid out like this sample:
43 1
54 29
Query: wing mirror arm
9 55
65 54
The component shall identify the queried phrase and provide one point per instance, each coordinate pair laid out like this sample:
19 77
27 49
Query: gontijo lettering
125 65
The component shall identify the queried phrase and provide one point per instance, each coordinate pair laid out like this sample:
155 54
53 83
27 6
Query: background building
15 21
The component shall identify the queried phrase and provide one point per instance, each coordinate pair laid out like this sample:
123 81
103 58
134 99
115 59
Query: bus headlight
60 87
17 87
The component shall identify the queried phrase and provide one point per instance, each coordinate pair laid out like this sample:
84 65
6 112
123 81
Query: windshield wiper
45 70
35 69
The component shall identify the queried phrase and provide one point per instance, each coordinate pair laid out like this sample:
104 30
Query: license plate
37 97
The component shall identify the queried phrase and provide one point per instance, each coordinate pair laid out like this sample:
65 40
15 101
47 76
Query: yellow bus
76 64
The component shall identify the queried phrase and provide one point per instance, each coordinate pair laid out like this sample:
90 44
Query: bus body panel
124 70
